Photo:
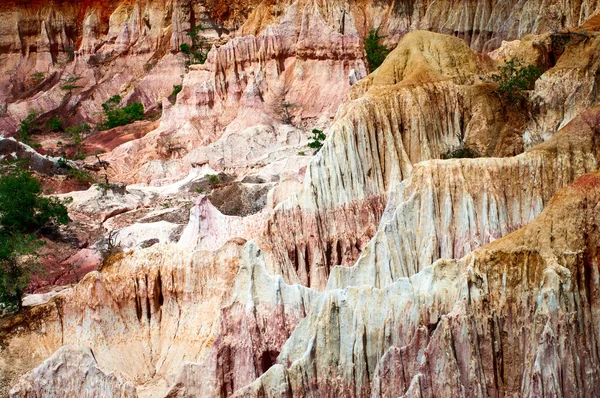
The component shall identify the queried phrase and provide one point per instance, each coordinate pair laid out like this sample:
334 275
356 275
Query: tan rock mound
72 371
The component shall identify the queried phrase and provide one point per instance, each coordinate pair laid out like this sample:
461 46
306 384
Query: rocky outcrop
72 371
190 308
430 94
446 209
250 89
371 143
516 317
261 314
145 312
296 49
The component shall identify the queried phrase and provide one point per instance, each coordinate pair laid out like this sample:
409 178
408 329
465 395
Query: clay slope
431 93
197 311
516 317
155 310
448 208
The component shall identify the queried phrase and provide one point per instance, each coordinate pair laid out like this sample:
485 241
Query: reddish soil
105 141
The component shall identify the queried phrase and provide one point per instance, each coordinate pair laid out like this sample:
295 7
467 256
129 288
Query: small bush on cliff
196 52
27 127
23 212
316 141
37 78
176 90
77 134
55 124
461 152
376 52
513 78
212 179
70 84
115 116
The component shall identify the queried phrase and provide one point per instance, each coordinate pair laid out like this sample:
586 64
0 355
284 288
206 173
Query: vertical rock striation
446 209
516 317
72 371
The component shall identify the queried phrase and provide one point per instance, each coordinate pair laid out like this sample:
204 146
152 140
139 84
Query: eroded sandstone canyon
216 255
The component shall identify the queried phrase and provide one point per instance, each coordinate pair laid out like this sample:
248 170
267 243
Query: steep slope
428 96
446 209
516 317
156 309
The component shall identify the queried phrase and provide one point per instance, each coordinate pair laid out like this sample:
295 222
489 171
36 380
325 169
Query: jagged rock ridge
215 316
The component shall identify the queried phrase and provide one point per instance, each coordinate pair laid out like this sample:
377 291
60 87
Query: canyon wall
373 268
497 322
431 93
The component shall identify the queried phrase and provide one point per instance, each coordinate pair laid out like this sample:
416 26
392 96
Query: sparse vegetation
27 127
37 78
176 90
460 152
170 146
285 112
69 84
196 52
55 124
316 141
70 51
513 78
111 251
282 107
375 51
103 187
77 134
23 212
212 179
116 116
173 96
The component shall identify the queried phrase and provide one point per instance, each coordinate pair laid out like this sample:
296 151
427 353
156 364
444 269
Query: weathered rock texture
430 94
72 371
516 317
132 49
448 208
156 309
214 315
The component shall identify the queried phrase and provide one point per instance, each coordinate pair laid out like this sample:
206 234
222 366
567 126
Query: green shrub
316 141
513 78
376 52
37 78
77 134
22 206
23 212
69 84
70 51
196 52
27 127
18 261
55 124
461 152
212 179
115 116
176 89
